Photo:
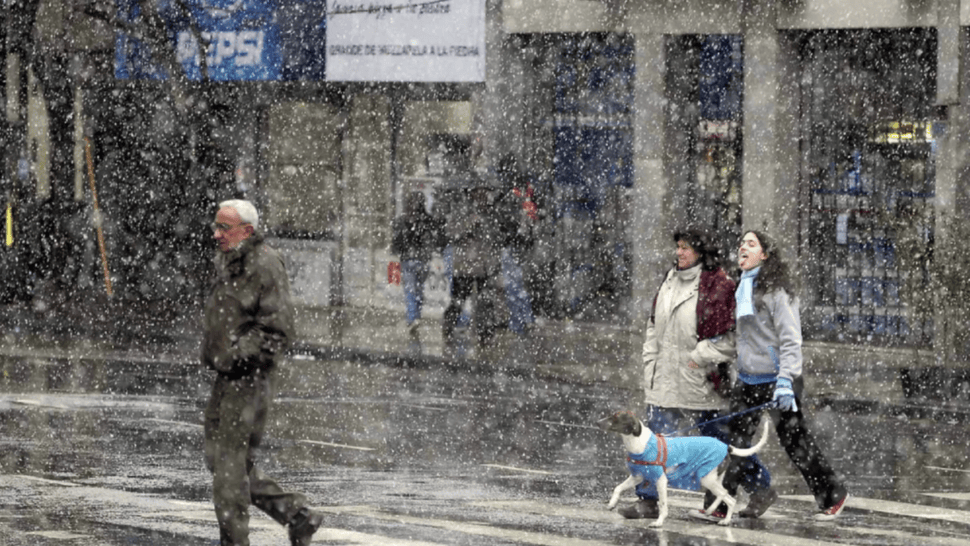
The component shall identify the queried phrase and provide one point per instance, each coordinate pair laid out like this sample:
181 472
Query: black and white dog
655 458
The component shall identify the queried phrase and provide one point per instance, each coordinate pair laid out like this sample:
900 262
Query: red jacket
715 304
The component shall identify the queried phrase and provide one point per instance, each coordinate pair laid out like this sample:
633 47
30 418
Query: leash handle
770 404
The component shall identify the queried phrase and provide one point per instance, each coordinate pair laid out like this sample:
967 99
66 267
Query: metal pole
97 216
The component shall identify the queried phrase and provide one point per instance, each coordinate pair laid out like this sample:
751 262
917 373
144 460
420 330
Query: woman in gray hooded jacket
769 345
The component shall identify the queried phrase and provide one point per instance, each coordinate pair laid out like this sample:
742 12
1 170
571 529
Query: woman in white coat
688 344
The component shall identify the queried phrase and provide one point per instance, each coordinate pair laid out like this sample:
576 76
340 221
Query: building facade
839 127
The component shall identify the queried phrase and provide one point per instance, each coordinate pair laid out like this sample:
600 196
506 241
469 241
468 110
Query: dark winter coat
248 320
416 236
476 233
517 221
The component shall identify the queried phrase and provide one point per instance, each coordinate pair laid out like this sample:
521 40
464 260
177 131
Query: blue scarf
745 293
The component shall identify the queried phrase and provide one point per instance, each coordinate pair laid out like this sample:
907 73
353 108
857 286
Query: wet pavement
101 439
102 445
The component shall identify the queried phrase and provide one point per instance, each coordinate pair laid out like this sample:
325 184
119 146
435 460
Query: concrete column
763 205
952 168
493 124
949 319
948 93
651 249
948 52
960 131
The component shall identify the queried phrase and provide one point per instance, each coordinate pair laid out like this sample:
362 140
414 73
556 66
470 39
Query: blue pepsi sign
235 40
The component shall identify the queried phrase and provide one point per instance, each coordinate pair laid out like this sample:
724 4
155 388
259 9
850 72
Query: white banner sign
406 40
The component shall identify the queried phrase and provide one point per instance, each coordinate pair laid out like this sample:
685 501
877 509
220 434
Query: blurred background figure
519 214
475 235
416 236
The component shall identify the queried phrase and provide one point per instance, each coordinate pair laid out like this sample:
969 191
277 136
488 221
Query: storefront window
717 155
705 80
593 143
867 215
303 160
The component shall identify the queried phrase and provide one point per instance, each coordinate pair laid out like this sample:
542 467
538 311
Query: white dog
653 457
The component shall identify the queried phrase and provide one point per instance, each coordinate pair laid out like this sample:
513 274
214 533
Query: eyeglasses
218 226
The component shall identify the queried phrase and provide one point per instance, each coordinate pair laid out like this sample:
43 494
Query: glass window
867 209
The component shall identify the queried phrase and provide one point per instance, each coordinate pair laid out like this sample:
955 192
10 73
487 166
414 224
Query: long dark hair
703 244
775 273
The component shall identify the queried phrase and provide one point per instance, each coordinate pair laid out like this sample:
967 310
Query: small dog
683 458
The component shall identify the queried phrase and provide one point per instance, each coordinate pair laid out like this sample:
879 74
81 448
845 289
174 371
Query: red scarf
715 304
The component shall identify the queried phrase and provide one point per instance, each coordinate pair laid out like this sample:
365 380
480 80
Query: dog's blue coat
688 459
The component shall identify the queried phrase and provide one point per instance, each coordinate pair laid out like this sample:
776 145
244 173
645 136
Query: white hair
246 211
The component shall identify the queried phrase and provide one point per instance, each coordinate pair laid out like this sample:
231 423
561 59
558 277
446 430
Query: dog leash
726 417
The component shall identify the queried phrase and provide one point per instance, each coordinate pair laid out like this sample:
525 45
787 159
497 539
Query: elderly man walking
248 325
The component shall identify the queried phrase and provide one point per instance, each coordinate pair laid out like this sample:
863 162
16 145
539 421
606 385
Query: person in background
248 325
475 235
519 215
688 345
770 371
416 235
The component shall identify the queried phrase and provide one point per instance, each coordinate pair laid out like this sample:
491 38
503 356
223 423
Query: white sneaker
713 517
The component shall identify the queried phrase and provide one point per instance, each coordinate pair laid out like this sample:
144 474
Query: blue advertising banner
239 40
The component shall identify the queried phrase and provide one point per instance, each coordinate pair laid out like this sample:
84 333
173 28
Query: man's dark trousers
234 422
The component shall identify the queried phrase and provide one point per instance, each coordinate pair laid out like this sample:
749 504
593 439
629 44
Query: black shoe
303 526
642 509
759 503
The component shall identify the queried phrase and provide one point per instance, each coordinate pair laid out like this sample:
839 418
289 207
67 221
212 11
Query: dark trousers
795 437
234 422
463 287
